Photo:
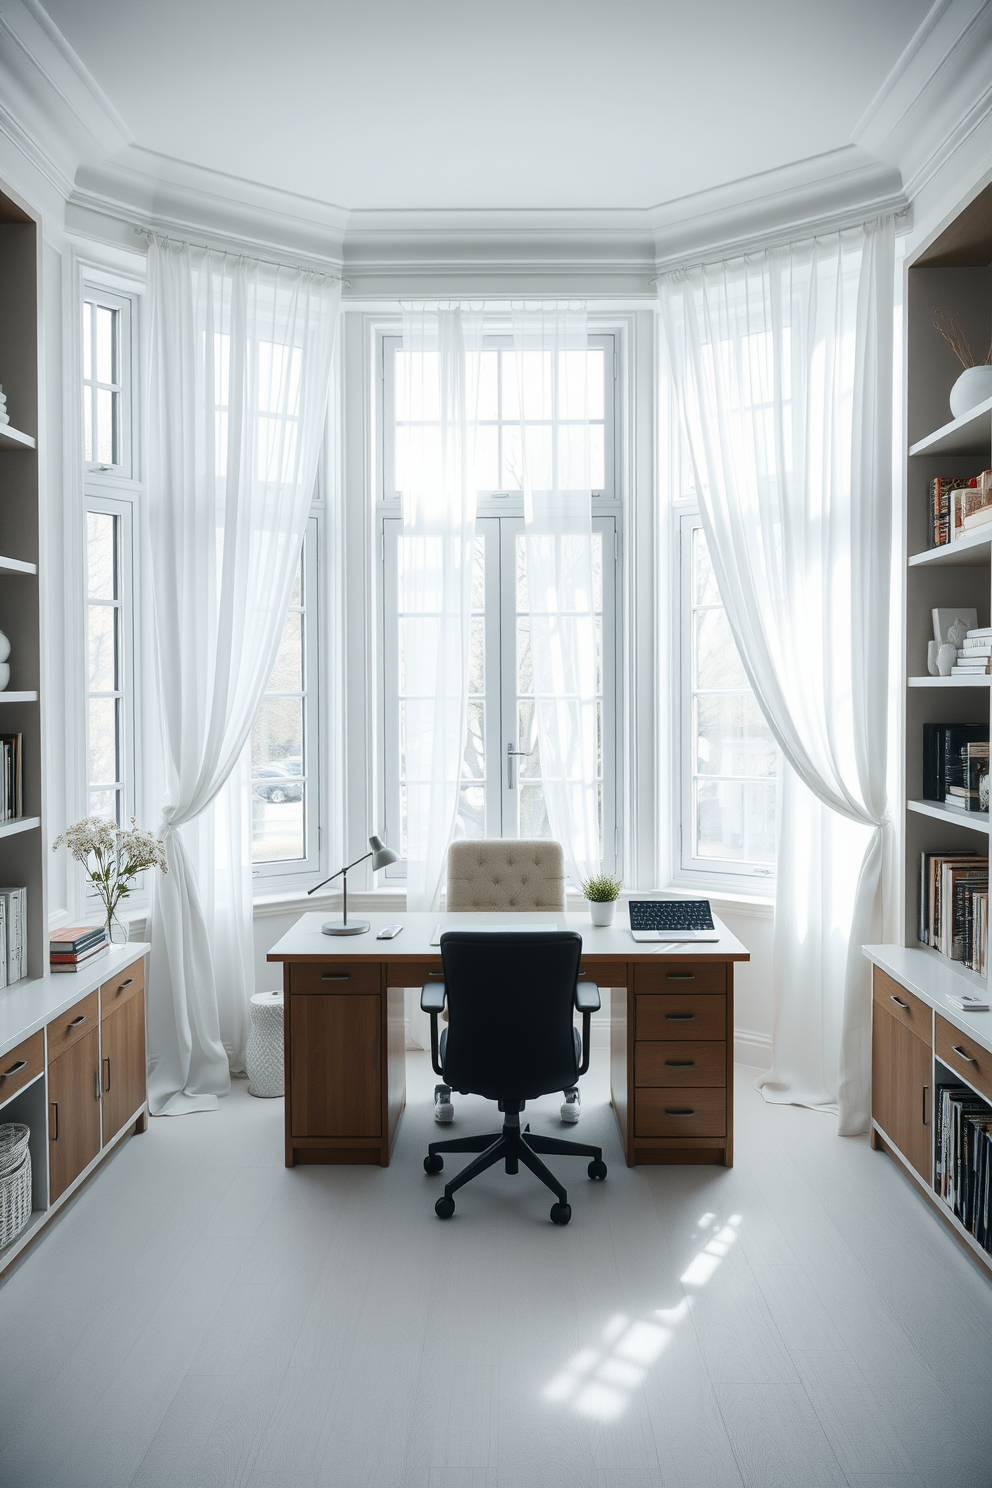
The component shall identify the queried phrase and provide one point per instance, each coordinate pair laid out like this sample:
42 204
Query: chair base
511 1146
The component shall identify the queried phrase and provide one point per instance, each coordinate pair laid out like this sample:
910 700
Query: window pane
106 803
477 655
106 337
103 755
471 819
87 423
525 670
487 458
488 405
101 555
87 339
287 672
704 589
277 739
533 815
296 593
102 648
475 766
716 662
106 408
277 831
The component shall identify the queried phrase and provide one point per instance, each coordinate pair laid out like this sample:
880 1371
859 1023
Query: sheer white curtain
239 363
553 382
782 366
437 396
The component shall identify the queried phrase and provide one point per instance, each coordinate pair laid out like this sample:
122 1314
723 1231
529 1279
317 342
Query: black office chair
510 1037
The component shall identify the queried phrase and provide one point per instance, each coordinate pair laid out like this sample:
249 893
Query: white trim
752 1048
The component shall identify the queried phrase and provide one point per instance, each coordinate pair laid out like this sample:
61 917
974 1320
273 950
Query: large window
106 339
729 757
283 740
501 790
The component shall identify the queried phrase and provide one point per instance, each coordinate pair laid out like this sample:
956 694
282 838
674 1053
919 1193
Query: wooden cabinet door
337 1063
73 1111
901 1088
123 1064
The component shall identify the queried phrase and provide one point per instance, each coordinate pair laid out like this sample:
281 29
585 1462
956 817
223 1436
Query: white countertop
933 979
30 1004
305 942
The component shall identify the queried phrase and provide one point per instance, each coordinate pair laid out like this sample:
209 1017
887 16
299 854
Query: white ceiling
520 104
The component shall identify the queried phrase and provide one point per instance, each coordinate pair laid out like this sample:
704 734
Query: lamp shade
382 855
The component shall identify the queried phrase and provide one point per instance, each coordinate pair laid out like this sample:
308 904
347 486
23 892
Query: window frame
291 873
122 511
691 870
124 304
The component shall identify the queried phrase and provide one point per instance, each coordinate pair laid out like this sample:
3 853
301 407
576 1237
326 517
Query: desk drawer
412 973
688 976
693 1062
690 1112
603 973
911 1011
19 1066
961 1053
334 976
675 1015
127 984
72 1026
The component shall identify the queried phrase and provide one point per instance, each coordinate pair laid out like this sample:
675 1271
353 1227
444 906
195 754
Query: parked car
275 782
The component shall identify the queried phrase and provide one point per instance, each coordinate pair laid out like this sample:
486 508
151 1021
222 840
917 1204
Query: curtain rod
149 233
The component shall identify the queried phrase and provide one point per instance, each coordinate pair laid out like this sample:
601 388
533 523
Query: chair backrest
510 1002
491 876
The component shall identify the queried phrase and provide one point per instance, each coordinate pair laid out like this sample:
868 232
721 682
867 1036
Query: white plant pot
601 911
974 386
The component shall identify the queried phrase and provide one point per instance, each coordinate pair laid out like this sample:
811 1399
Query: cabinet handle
681 1017
375 1053
680 1064
14 1068
681 976
76 1021
335 976
55 1108
903 1005
125 984
107 1085
924 1105
670 1112
955 1049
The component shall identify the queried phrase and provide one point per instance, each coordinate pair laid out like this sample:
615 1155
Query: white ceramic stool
264 1051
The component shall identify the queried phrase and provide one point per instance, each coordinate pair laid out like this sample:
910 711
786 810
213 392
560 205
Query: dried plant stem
956 339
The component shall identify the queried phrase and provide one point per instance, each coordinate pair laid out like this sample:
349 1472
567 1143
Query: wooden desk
671 1035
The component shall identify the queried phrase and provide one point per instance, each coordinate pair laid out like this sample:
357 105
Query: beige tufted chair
493 878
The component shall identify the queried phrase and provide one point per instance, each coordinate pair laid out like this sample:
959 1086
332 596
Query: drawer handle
14 1069
903 1005
681 976
681 1017
335 976
438 976
962 1055
107 1084
375 1053
680 1064
55 1108
125 984
680 1112
76 1021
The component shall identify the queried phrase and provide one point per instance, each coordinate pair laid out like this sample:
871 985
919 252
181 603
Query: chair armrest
587 998
432 997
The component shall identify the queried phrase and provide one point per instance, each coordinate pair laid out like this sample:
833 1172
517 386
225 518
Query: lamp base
338 927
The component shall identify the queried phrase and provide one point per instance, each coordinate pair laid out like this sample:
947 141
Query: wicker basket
15 1180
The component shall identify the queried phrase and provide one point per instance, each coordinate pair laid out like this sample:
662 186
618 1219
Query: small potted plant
119 854
602 892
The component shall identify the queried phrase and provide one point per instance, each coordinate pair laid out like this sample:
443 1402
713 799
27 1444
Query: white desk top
933 979
30 1004
305 942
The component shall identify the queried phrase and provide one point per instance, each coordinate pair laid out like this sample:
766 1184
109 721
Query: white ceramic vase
974 386
4 664
601 911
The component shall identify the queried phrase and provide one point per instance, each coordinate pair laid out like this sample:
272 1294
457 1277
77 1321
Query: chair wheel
560 1213
445 1207
433 1162
597 1168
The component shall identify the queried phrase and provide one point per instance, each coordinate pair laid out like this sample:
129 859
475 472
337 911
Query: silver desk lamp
381 856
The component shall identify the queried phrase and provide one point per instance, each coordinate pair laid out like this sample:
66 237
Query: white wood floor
200 1316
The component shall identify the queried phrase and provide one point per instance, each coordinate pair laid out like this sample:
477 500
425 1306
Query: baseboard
752 1048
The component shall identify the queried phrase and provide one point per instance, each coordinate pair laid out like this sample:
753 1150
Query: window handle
513 753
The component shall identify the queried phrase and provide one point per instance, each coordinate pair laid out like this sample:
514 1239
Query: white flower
120 853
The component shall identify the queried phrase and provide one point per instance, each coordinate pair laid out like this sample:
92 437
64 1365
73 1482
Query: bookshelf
22 841
916 1029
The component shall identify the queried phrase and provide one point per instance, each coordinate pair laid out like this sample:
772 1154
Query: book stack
953 914
71 950
11 778
963 1167
975 652
956 755
939 530
957 504
14 913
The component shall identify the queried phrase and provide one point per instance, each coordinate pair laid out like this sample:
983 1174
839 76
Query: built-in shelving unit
11 438
915 1023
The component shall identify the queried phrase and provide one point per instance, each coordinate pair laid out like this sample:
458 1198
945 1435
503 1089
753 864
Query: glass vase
117 930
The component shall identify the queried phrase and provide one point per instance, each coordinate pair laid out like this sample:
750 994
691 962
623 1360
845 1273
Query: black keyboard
670 914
